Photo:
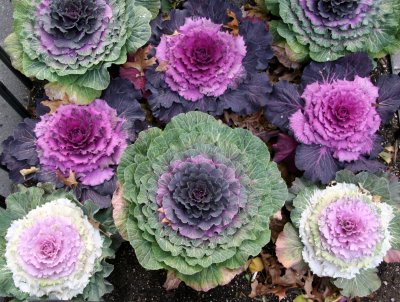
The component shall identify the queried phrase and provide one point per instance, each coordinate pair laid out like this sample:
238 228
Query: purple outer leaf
317 163
284 148
344 68
389 96
282 103
19 151
122 96
364 164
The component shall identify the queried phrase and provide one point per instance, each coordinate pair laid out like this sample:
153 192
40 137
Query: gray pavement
8 117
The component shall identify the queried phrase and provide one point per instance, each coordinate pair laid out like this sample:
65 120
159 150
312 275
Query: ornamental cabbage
345 230
51 249
196 199
73 42
326 30
335 114
85 141
209 59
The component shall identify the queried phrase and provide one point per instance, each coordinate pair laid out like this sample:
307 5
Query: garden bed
261 166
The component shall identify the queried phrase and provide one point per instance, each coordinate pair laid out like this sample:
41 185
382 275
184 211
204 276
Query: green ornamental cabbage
197 199
326 30
73 42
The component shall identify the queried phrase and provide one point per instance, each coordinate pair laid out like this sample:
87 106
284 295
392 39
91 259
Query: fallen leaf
233 25
376 198
172 282
256 265
308 285
69 181
254 292
302 298
26 172
392 256
257 11
53 105
163 66
94 223
386 156
141 60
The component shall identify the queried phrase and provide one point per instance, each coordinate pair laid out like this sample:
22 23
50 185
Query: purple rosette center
50 248
87 140
350 229
333 13
202 60
340 115
199 197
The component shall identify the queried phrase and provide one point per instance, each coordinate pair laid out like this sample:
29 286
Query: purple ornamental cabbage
335 114
204 65
87 140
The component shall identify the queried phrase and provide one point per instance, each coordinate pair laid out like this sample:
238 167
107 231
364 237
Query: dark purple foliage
244 94
389 96
19 150
323 148
284 101
317 163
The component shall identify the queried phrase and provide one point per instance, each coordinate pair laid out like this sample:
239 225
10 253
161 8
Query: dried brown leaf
69 181
233 25
172 282
257 11
141 60
26 172
53 105
94 223
163 66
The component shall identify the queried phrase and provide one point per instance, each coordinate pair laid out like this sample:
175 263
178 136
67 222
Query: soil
135 284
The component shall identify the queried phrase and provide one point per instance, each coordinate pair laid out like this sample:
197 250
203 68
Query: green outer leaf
395 230
142 247
272 6
83 95
152 5
289 247
14 48
300 203
374 184
362 285
96 79
141 32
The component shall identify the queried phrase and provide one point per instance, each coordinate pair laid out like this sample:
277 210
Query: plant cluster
139 148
